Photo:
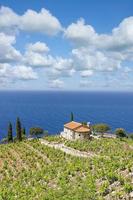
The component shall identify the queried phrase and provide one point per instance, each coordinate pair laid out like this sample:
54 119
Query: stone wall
82 136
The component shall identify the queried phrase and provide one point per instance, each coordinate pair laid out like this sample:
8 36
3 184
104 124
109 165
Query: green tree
101 128
23 132
72 116
18 130
36 131
10 136
120 132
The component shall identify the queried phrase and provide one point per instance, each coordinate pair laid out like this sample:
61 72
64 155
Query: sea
51 109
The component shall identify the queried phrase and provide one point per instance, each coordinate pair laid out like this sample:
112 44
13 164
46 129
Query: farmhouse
75 130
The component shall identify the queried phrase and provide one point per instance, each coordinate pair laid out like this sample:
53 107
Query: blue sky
66 45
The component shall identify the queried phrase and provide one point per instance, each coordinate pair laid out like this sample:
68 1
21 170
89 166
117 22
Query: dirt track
67 150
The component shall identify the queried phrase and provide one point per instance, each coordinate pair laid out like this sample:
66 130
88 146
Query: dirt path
68 150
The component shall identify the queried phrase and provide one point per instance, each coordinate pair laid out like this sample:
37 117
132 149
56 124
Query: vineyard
33 171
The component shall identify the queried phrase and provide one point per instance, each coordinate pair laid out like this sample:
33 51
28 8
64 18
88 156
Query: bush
120 132
36 131
100 128
131 136
128 187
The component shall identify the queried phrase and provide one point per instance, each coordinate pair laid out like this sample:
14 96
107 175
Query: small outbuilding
75 130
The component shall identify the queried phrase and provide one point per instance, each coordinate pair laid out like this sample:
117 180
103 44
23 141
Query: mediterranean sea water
50 110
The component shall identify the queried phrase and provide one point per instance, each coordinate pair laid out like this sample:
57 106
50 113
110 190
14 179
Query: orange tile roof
72 125
78 127
82 129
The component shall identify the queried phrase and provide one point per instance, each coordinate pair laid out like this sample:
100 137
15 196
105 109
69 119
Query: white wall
68 134
71 135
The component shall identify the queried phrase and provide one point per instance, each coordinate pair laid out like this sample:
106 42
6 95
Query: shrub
101 128
120 132
36 131
128 187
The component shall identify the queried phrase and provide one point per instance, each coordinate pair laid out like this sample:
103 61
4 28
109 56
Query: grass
55 138
30 170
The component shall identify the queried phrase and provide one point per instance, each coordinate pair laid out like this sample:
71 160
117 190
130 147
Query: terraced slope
30 170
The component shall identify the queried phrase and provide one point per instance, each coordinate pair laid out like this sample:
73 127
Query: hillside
30 170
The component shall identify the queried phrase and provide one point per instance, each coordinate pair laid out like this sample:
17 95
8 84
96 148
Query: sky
66 45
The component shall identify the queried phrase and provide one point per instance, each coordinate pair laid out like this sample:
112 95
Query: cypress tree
23 132
18 130
72 116
10 136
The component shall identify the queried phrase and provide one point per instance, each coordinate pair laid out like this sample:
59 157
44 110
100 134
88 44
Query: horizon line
59 90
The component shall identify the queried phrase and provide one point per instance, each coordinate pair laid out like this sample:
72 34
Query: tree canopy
18 130
101 128
10 136
72 117
36 131
120 132
23 132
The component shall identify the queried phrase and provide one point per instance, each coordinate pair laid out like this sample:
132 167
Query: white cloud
100 52
61 63
53 73
80 33
86 73
119 41
38 47
61 67
7 52
56 83
24 73
123 34
84 35
31 21
43 22
91 59
37 60
92 54
8 19
5 70
11 68
13 73
36 55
